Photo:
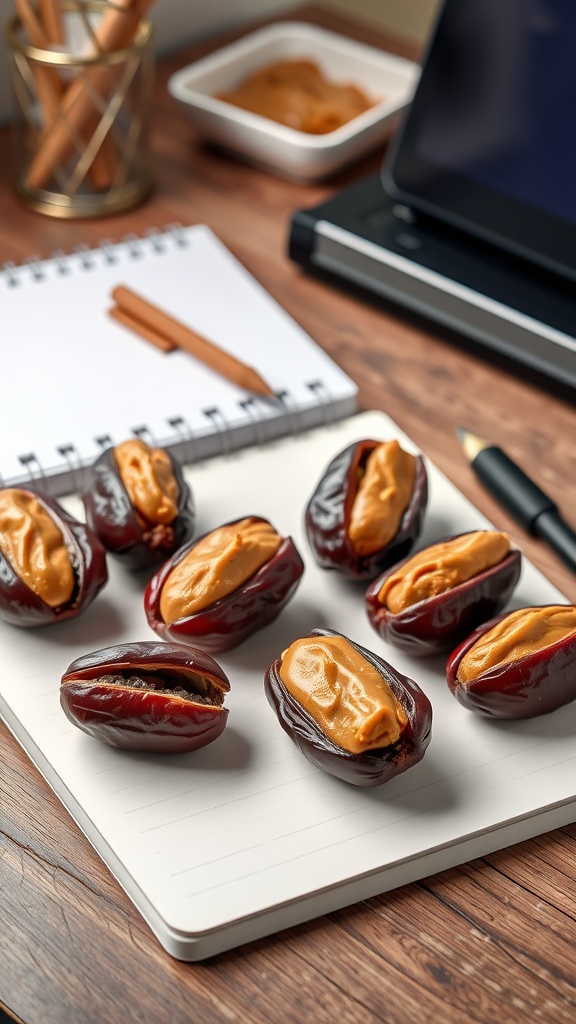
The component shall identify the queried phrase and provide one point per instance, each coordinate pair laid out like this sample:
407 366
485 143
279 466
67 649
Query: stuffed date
51 565
367 509
218 590
347 710
430 601
138 503
518 665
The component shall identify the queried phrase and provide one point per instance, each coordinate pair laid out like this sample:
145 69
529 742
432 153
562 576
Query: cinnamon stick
48 84
42 32
143 330
116 30
51 18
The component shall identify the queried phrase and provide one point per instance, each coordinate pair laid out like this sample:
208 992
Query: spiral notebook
245 837
79 381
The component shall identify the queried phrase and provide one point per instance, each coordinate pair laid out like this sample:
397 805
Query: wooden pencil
144 315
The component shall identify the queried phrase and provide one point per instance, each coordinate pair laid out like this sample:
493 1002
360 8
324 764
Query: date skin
228 622
20 606
146 719
111 514
534 685
374 767
328 515
438 624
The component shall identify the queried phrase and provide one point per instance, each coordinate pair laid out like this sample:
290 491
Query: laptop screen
489 143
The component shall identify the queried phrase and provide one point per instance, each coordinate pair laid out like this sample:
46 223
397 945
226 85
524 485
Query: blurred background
177 23
407 19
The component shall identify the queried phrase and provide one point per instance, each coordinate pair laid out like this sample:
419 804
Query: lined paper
245 836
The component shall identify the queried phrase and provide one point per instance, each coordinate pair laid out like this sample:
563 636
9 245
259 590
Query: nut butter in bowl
344 99
298 94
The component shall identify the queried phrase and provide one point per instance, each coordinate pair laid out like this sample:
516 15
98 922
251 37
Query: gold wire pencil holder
81 114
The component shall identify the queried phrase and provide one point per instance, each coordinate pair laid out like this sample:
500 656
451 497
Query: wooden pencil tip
471 444
252 381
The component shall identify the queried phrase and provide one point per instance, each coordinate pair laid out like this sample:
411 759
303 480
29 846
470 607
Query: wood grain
491 941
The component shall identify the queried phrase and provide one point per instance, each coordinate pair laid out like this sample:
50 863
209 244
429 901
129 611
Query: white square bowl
387 79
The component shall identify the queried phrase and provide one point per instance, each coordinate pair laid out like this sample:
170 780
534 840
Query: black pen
519 495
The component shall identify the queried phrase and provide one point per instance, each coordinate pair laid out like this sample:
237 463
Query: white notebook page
76 375
245 836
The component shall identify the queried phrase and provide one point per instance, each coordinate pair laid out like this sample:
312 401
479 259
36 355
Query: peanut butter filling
442 567
345 695
297 94
383 495
34 547
149 480
518 635
216 566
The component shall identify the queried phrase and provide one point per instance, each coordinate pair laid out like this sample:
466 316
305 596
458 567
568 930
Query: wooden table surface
492 941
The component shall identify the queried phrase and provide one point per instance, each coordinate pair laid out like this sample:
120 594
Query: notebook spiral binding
33 267
70 469
70 473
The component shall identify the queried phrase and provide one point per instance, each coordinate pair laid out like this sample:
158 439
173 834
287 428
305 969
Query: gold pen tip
471 444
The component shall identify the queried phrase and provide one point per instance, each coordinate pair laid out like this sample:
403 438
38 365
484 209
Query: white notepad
78 380
245 836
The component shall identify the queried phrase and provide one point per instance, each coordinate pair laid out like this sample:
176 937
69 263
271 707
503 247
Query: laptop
471 221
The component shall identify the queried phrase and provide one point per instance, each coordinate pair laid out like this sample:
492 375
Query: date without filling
517 635
346 696
297 94
383 495
173 685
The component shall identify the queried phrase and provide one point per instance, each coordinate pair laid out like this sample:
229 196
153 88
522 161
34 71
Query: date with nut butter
347 710
367 509
149 696
218 590
138 503
51 565
430 601
517 665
